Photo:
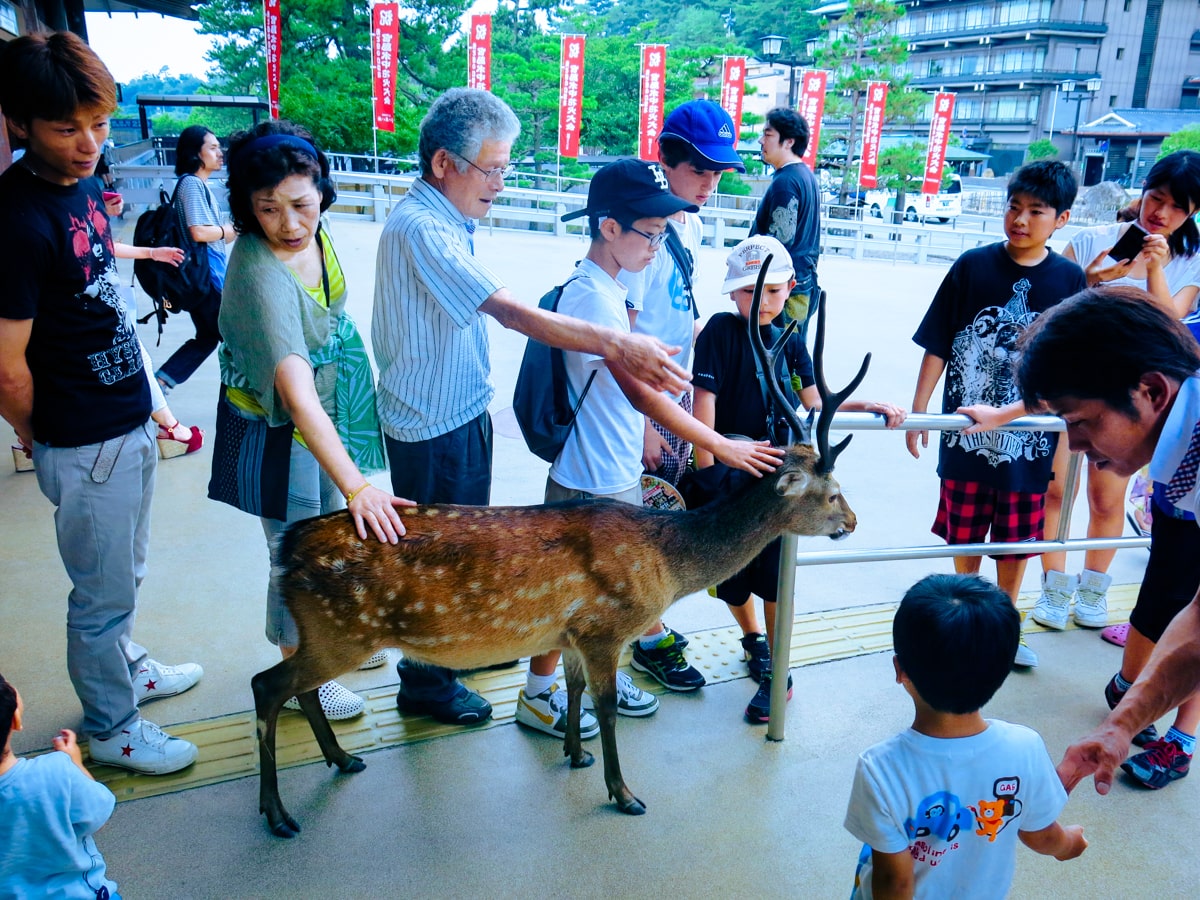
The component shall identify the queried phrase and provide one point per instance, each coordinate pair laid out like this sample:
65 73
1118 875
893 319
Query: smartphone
1130 244
110 196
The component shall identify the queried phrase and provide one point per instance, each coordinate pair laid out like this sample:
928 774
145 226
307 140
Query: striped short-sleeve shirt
430 339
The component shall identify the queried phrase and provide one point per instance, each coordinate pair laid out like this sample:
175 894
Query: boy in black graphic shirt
73 386
992 480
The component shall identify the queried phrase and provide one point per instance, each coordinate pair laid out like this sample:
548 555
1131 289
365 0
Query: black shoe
466 707
1113 696
666 664
758 711
758 654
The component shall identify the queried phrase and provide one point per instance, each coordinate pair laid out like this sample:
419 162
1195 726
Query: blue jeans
103 532
451 468
310 493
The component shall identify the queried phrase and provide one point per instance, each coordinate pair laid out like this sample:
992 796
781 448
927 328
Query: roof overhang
176 9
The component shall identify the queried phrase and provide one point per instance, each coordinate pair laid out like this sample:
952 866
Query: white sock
650 641
537 684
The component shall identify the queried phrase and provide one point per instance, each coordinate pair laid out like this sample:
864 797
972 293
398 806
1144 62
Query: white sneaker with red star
145 748
153 680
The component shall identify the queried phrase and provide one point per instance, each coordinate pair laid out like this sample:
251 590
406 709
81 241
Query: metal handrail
857 421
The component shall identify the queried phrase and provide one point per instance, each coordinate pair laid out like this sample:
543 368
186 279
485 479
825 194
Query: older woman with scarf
297 433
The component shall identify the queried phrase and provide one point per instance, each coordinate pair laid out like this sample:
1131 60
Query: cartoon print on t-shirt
91 242
783 221
993 816
981 372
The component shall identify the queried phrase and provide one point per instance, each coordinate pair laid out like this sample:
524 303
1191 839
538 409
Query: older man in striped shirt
431 342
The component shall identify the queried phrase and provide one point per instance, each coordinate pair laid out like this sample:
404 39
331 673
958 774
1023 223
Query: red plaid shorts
968 510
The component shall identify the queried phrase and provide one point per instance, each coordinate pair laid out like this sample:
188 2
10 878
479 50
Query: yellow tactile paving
228 747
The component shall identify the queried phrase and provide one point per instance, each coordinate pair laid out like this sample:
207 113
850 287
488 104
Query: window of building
1112 100
1195 47
1120 53
1128 3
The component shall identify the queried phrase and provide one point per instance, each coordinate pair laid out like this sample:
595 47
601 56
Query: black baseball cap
630 189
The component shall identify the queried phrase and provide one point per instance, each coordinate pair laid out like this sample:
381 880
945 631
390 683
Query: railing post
719 232
378 203
560 227
781 653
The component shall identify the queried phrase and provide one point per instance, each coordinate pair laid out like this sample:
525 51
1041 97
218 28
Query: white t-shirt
659 294
955 804
1180 271
603 454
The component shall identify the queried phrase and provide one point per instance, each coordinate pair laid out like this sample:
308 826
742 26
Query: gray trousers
310 493
103 533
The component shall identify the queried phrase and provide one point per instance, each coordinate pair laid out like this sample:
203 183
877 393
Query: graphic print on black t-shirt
980 371
91 243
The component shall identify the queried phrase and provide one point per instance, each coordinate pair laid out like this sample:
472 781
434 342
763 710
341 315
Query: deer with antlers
471 586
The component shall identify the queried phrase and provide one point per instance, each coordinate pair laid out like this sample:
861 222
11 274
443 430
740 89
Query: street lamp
772 48
1077 93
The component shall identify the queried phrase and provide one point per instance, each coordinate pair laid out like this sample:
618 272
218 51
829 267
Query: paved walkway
495 811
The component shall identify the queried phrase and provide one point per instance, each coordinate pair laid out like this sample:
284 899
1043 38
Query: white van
944 206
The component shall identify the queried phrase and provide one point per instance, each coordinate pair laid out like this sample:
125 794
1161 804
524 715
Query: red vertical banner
654 85
570 95
872 132
385 44
479 53
939 137
812 107
733 87
271 25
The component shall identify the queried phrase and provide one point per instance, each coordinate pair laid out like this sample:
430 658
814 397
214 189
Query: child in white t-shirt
940 806
50 807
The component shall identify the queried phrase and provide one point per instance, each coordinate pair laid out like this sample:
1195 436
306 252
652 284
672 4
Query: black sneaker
1112 695
1161 763
681 640
758 711
758 654
466 707
666 664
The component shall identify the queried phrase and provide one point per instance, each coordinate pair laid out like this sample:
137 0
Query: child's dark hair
674 150
1178 173
52 76
1097 345
790 125
187 149
1047 180
8 709
956 637
255 164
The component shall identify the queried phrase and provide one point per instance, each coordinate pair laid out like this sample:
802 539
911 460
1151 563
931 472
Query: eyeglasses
656 240
501 172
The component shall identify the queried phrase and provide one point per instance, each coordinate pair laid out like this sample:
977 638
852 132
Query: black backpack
171 288
541 400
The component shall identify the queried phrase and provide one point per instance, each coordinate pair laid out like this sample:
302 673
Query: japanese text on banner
653 80
939 134
872 133
479 53
570 95
271 25
812 107
733 86
385 43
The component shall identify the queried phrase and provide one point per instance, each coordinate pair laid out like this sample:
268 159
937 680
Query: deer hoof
287 828
632 807
585 760
349 765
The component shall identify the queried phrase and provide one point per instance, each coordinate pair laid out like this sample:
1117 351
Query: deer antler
830 401
766 359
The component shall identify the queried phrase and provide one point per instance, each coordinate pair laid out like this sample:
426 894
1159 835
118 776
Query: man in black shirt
791 208
73 386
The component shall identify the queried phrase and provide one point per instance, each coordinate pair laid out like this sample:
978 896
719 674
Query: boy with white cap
730 399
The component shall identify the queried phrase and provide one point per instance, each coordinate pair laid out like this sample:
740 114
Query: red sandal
170 446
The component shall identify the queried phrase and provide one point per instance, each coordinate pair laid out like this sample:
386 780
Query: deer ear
793 483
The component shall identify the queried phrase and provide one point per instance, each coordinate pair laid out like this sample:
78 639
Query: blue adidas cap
708 128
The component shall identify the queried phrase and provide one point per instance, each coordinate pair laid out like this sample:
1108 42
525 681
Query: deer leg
271 688
310 705
602 674
576 681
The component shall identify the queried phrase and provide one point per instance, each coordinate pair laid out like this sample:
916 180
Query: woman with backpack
197 156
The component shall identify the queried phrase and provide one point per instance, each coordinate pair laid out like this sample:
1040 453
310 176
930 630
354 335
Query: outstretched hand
649 359
377 508
755 457
1098 754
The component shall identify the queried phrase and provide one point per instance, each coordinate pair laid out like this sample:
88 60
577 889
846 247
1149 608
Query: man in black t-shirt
790 210
73 386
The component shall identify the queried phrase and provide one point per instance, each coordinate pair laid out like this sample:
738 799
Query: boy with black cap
627 209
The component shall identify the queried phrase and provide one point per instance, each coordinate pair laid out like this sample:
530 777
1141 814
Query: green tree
899 168
860 47
1187 138
325 65
1042 148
